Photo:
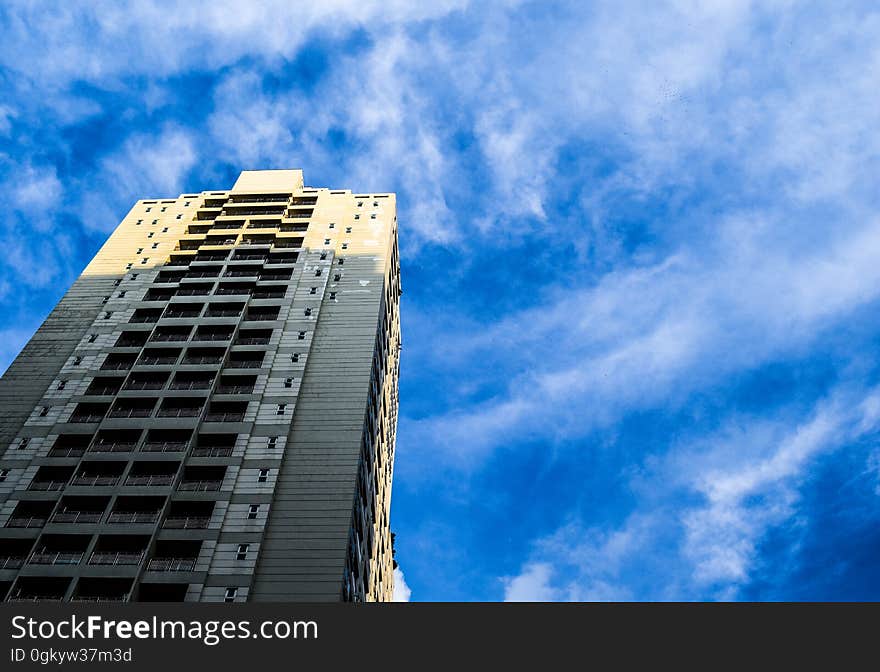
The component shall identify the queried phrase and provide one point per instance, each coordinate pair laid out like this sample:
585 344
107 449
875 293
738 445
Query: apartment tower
209 412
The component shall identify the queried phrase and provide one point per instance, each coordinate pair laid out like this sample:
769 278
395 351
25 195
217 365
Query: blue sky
640 250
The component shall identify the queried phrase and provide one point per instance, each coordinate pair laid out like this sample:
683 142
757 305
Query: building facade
209 413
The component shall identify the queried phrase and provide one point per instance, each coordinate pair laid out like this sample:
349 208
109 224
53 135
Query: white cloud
402 591
532 585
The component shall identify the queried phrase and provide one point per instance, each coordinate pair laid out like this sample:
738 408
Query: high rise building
209 412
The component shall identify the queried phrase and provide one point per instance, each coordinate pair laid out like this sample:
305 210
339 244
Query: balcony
104 387
115 441
220 411
145 316
102 589
142 382
150 480
50 479
116 558
166 441
133 408
77 517
85 413
200 486
158 357
184 382
11 561
133 517
194 290
241 360
26 521
283 258
172 565
94 480
186 522
55 558
39 589
70 445
269 293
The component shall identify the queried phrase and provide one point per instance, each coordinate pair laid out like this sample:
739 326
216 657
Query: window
62 384
288 382
145 260
163 209
331 226
154 222
307 312
3 474
253 510
133 276
151 234
318 273
280 410
139 222
357 216
272 441
178 216
241 554
122 294
77 360
332 296
116 282
323 255
373 216
23 444
326 242
360 204
128 266
230 594
337 277
105 300
264 476
348 229
342 261
313 290
165 230
139 250
148 209
344 246
301 336
375 204
108 315
155 245
44 411
93 338
294 357
186 205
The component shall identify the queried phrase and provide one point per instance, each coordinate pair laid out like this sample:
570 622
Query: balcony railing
235 389
180 412
164 446
187 522
102 391
145 385
116 366
138 412
100 598
212 451
112 447
232 416
86 417
172 565
150 480
253 340
213 336
77 517
116 558
245 363
47 486
66 452
26 521
24 597
11 561
154 361
94 481
200 486
55 558
191 385
202 360
170 338
133 517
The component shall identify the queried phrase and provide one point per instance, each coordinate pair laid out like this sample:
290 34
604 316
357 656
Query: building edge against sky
210 411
